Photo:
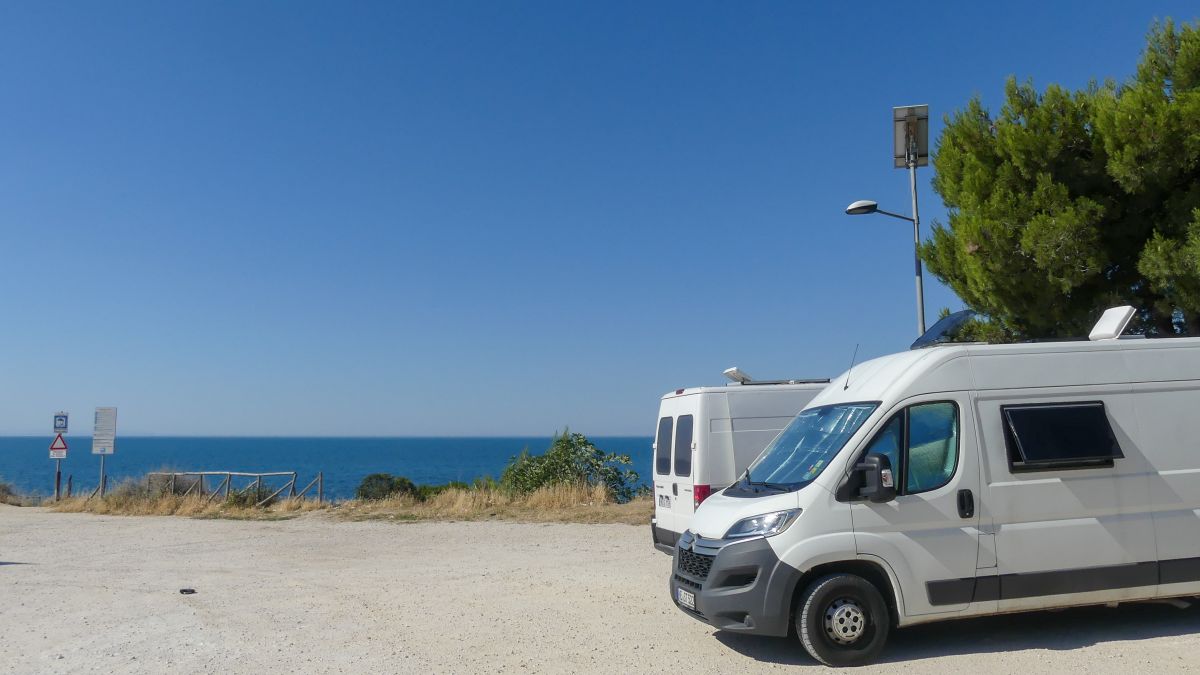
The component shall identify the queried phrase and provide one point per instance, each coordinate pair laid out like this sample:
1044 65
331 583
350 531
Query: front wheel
842 620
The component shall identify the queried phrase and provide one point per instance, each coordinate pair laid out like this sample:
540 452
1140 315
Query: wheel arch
874 571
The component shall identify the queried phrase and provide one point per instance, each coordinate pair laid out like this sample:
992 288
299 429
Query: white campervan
707 436
958 481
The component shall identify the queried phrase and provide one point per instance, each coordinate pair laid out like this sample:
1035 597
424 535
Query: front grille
687 582
695 564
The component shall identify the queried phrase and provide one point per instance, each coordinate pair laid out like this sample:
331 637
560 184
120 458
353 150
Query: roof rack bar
819 380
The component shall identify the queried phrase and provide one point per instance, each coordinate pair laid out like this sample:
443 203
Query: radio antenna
852 360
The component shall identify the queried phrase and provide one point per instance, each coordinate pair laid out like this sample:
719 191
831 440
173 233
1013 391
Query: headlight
766 525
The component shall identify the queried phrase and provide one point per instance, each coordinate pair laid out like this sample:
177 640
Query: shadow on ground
2 563
1058 631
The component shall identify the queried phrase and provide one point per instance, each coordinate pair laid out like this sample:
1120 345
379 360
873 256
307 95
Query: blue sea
25 463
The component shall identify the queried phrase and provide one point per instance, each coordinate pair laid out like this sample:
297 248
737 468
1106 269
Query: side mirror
878 484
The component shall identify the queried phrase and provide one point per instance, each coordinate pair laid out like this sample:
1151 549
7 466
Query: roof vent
736 375
1112 323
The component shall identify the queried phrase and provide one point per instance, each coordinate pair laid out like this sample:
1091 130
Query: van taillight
700 493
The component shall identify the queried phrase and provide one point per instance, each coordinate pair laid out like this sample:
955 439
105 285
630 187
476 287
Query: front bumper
745 588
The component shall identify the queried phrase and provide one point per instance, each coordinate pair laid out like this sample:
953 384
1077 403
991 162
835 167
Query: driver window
887 443
921 442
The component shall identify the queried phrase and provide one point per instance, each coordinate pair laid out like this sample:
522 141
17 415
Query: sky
474 218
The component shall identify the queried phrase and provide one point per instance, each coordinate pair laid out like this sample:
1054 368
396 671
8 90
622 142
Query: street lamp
910 125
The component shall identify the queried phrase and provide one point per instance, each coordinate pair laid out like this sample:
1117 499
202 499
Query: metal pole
70 480
101 476
57 479
916 219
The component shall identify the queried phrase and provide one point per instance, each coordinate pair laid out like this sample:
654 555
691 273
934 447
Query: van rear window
1059 436
683 446
662 447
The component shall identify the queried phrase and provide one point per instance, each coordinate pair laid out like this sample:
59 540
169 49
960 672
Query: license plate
686 598
664 501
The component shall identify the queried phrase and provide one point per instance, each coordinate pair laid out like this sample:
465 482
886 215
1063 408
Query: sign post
104 438
58 451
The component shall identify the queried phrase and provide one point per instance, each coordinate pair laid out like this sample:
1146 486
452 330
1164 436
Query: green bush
571 459
250 496
424 492
384 485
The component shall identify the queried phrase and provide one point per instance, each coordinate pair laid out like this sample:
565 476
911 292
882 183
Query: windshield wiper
773 486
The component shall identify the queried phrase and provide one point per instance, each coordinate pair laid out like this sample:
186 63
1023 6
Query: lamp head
862 207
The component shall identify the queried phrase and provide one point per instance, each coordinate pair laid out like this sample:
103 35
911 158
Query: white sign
58 448
60 423
104 436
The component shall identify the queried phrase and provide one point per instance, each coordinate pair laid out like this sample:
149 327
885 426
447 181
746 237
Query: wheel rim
845 621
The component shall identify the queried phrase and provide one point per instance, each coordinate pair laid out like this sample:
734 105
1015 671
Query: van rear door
682 470
663 515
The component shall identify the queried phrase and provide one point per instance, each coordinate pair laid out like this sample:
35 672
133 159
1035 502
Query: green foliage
424 492
1067 203
571 459
383 485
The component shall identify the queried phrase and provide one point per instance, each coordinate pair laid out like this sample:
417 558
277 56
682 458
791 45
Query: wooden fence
195 482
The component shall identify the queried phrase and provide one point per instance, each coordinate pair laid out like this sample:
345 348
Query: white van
959 481
707 436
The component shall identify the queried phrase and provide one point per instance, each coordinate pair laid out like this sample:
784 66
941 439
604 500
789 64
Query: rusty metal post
320 487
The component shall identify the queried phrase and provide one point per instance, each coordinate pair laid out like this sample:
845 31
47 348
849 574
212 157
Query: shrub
424 492
573 460
384 485
250 497
8 495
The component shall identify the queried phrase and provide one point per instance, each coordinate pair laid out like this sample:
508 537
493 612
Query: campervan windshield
803 449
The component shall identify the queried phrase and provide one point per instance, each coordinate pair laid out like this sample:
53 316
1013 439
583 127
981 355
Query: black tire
852 636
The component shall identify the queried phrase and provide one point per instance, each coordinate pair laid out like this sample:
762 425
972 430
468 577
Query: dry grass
193 506
556 504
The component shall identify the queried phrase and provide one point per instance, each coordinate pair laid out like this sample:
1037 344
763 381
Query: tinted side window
887 442
662 452
1059 436
683 446
921 443
932 446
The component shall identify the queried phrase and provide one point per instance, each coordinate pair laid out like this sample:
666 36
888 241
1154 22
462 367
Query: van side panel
1069 536
1166 416
714 449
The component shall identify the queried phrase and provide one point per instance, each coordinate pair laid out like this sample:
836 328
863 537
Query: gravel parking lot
84 593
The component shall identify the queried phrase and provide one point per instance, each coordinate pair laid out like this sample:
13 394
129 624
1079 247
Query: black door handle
966 504
675 489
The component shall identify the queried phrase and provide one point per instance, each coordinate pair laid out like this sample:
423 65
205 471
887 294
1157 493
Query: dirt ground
86 593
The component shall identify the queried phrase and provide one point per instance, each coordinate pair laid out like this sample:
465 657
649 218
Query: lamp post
910 150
